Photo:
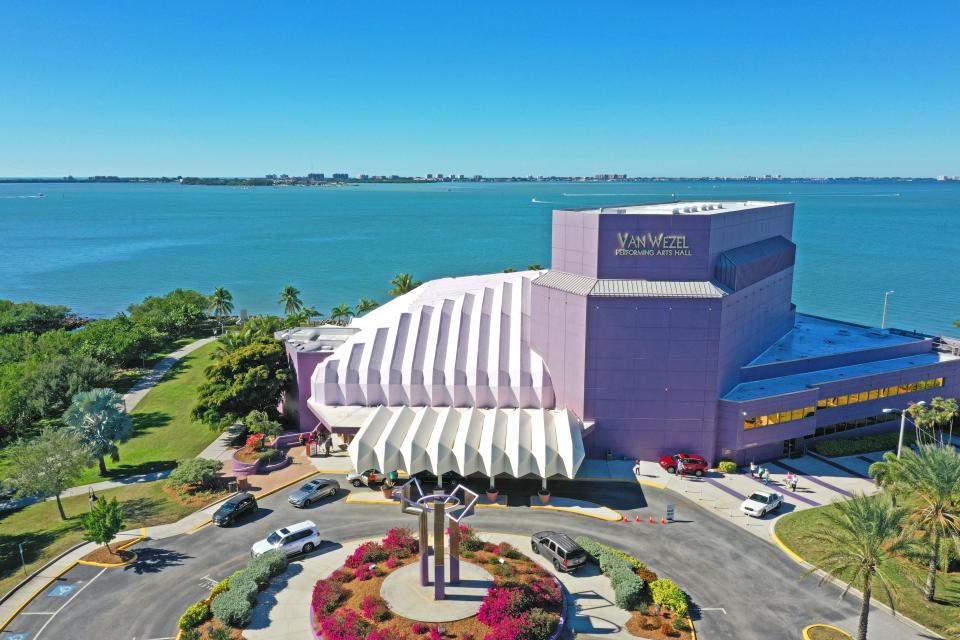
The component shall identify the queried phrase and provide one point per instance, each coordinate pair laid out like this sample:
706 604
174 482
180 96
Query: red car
692 463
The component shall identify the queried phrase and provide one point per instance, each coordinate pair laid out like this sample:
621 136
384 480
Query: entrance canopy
513 442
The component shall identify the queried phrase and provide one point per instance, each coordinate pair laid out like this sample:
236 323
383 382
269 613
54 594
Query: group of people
763 474
308 439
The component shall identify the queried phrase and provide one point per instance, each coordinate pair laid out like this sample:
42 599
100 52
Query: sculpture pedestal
407 598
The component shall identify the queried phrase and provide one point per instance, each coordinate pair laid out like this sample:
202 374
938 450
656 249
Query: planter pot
544 497
387 491
492 495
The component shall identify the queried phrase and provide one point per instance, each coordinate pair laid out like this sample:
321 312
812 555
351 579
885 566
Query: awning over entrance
514 442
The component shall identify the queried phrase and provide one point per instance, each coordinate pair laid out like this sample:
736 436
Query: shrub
727 466
196 473
544 591
608 561
620 573
270 455
344 624
219 633
419 627
244 583
634 564
274 561
365 554
667 629
629 593
190 634
400 540
541 624
392 562
327 595
390 633
254 441
375 608
507 550
469 540
679 624
666 593
593 548
222 586
232 608
504 570
860 444
342 576
194 615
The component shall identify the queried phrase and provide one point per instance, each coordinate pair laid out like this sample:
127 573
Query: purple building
660 328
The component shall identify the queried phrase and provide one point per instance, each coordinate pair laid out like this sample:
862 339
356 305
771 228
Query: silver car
313 491
368 477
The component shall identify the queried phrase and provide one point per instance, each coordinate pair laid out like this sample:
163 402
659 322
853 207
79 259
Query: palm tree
534 267
403 283
864 535
947 412
290 299
930 479
509 270
341 314
365 305
98 418
221 303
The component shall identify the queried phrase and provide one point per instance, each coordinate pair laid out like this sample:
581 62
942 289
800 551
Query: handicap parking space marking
17 636
62 590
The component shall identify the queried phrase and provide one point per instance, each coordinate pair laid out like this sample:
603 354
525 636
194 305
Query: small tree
403 283
46 465
195 473
260 422
98 418
290 299
103 523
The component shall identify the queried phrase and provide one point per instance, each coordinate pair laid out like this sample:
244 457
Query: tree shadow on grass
148 421
140 509
34 544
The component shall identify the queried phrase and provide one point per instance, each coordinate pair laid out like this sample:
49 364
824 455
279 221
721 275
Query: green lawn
794 530
163 429
45 536
126 378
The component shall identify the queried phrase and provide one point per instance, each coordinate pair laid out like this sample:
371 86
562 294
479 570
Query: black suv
233 508
558 548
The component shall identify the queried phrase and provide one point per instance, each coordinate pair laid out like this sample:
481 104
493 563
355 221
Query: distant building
271 176
341 176
364 176
315 176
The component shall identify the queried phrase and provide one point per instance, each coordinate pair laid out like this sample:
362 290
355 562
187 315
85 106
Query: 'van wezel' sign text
652 244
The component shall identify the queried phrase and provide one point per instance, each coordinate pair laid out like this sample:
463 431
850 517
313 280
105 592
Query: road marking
37 613
207 582
69 600
714 609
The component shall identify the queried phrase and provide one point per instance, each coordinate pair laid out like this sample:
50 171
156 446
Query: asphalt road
742 587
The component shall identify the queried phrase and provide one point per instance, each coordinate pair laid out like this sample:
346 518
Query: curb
806 636
693 631
37 572
120 547
578 513
841 584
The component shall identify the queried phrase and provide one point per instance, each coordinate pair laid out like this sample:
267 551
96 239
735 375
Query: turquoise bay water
97 248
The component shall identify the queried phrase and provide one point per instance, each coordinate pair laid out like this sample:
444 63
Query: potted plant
492 493
544 495
387 489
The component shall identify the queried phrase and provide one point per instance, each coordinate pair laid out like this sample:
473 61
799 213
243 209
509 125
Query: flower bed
525 602
658 606
249 460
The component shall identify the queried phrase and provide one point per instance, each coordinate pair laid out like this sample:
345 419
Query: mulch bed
104 556
650 624
213 623
197 499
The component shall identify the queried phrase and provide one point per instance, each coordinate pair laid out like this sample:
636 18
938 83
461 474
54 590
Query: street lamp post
903 424
883 319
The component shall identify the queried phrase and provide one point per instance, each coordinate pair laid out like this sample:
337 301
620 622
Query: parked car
692 463
369 477
234 508
302 537
558 548
760 503
312 491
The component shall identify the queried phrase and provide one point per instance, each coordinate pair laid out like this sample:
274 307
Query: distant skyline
498 89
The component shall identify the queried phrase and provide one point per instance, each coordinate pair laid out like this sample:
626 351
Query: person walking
793 483
788 478
753 469
636 467
765 476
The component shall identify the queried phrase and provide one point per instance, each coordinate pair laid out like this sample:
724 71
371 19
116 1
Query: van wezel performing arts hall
659 328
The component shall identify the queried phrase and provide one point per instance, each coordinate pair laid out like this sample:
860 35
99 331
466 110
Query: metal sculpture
452 507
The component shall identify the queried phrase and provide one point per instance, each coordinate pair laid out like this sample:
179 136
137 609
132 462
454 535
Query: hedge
194 615
666 593
232 608
727 466
630 592
596 550
861 444
629 589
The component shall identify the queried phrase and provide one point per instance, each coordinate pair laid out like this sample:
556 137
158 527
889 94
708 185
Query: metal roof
616 288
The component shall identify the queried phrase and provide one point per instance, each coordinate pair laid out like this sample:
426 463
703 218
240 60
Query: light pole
903 423
883 319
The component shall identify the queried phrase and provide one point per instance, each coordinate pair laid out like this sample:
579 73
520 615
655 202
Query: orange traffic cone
650 520
663 521
626 519
638 519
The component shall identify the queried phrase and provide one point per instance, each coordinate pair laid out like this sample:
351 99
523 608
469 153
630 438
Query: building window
874 394
779 418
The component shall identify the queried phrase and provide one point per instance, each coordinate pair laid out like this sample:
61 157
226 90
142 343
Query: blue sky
716 88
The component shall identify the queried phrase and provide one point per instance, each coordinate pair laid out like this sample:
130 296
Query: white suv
302 537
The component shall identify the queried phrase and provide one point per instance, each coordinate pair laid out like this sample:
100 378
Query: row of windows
839 401
853 424
873 394
778 418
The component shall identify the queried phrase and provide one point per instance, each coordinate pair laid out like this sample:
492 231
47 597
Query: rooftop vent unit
621 210
676 210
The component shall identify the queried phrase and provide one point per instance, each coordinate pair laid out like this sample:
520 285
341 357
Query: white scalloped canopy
513 442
